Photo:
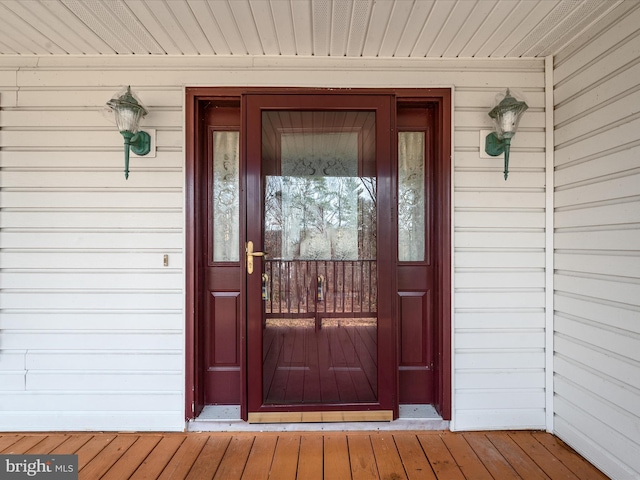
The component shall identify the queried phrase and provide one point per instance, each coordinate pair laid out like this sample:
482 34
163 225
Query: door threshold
321 417
226 418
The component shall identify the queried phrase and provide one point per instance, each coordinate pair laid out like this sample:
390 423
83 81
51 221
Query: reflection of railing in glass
349 290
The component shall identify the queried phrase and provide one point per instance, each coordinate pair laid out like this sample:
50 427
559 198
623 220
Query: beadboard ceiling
336 28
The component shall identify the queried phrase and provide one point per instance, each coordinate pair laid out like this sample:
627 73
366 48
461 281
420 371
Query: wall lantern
506 116
128 111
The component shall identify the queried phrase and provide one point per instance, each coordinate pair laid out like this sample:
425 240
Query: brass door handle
250 255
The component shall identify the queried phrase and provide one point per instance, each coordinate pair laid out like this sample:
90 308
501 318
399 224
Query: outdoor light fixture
506 116
128 112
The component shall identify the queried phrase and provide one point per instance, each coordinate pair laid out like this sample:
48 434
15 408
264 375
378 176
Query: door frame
196 100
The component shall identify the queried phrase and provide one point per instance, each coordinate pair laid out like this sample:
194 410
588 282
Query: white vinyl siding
92 324
597 241
499 269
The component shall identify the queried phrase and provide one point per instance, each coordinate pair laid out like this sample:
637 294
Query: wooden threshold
314 417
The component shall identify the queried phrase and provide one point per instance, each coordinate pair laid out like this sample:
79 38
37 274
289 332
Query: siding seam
598 155
599 179
601 301
604 227
598 398
598 326
609 52
592 369
597 107
604 129
600 203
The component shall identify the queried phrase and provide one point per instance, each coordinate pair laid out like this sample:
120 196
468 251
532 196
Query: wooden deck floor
311 456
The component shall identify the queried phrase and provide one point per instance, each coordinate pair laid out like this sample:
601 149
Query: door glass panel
226 198
319 279
411 197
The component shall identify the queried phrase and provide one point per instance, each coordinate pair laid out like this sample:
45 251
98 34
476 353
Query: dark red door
320 323
417 252
221 253
348 194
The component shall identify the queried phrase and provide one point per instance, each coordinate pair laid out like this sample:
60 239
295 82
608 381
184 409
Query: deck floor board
375 455
183 459
310 462
153 465
336 456
71 444
492 459
285 459
363 460
551 466
416 464
440 458
107 457
469 463
519 460
258 464
128 463
23 445
568 457
235 459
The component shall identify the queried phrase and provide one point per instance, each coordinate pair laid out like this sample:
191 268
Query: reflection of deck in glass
320 332
336 363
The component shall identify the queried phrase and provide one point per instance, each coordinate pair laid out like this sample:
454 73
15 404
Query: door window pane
320 276
226 198
411 197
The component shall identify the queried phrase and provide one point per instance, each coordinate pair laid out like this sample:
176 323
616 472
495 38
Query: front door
319 258
347 192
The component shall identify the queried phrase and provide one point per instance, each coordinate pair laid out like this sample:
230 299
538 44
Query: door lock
250 255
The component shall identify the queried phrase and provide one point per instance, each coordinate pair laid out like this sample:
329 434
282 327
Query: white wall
499 265
91 325
597 240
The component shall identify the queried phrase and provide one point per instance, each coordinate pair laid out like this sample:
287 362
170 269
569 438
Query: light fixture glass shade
128 111
506 115
128 119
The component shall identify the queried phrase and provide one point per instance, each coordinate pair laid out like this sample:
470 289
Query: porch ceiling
336 28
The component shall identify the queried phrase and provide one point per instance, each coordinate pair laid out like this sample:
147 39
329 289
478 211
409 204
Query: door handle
320 284
265 287
250 255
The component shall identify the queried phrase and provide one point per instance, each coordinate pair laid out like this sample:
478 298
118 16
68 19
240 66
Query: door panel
416 271
320 279
221 257
317 303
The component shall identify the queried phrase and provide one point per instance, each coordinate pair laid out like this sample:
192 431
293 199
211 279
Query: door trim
196 99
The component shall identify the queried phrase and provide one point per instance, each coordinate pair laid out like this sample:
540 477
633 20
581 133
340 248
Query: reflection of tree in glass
367 214
320 217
